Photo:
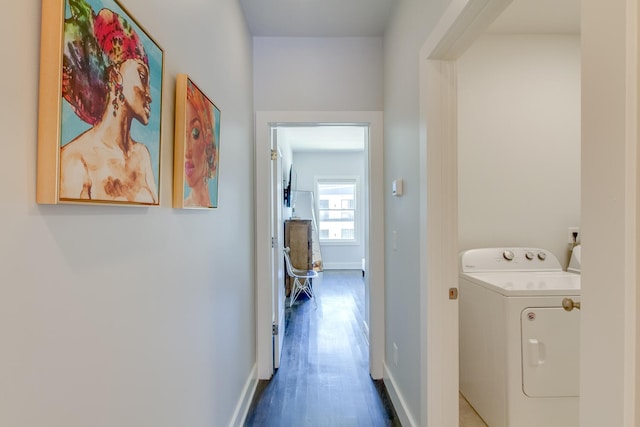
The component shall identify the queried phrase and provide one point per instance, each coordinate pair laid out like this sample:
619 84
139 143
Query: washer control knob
508 255
542 256
529 255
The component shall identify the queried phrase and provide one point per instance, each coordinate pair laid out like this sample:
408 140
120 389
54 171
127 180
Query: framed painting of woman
197 146
99 123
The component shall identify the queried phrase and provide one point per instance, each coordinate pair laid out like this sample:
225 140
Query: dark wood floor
323 379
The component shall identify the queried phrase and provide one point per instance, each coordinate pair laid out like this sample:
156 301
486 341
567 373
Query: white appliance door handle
537 352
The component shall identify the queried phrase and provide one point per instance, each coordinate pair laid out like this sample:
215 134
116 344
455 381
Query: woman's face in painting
195 162
136 88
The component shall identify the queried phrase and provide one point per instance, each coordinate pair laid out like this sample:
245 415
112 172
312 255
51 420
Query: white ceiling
368 18
539 17
317 18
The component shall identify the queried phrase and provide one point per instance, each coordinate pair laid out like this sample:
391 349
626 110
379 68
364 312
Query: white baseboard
342 265
404 415
242 408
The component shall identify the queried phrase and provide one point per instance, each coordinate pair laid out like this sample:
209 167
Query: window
337 210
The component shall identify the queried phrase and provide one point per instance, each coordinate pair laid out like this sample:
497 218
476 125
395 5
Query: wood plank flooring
323 379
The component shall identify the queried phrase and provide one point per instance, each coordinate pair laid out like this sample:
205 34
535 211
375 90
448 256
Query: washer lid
519 284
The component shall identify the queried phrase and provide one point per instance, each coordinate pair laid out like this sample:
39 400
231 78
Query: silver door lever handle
568 304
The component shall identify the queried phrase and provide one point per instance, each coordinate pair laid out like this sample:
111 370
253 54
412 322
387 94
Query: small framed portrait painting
196 147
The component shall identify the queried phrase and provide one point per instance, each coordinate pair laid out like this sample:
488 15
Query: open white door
277 233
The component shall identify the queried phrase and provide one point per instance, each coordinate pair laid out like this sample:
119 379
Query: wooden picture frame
100 106
196 148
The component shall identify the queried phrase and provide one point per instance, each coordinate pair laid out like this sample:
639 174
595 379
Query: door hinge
274 155
274 242
274 329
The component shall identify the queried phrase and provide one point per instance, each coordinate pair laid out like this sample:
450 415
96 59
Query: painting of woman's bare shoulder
92 170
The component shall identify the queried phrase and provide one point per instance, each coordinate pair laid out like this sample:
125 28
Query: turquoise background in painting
149 135
213 182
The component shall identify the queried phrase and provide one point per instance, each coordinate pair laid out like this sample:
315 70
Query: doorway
608 135
325 181
374 244
519 160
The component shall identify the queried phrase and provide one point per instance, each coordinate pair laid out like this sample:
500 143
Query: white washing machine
519 348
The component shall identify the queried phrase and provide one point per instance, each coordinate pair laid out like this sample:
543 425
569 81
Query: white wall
409 28
519 142
310 165
121 316
316 74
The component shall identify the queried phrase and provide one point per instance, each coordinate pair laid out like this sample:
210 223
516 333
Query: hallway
323 379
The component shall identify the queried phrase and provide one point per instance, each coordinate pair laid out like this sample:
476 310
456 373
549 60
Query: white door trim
374 248
610 213
459 26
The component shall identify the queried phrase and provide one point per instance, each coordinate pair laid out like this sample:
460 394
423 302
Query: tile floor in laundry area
469 417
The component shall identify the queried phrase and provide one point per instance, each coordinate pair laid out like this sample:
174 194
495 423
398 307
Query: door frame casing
459 26
374 228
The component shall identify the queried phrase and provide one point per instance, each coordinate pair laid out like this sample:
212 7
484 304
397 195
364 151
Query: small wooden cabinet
298 237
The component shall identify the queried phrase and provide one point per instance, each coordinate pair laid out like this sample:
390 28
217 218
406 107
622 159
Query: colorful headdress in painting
117 38
92 44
